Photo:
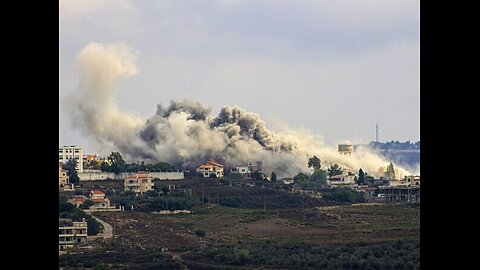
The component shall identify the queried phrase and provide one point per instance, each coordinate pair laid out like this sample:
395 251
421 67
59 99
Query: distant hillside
403 153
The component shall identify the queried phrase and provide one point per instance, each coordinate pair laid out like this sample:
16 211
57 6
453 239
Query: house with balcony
99 200
140 182
209 168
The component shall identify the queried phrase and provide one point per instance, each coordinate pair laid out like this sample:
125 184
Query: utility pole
376 133
203 196
218 199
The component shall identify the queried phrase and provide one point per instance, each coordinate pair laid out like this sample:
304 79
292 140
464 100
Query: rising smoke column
185 133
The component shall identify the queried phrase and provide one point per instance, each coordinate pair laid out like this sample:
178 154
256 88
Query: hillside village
334 184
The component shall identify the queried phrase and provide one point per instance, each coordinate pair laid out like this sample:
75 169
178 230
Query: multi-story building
400 194
62 176
209 168
99 200
413 180
71 233
67 153
141 182
341 181
244 171
345 149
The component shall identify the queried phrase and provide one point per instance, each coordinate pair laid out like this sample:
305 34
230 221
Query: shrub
200 233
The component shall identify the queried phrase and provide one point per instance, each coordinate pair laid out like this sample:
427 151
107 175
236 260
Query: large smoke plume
185 133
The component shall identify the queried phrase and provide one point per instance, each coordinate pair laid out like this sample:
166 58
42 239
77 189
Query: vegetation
118 165
235 177
257 176
153 201
71 167
344 195
213 175
314 162
87 204
200 233
334 170
320 177
273 177
291 233
272 254
361 177
68 210
390 174
134 258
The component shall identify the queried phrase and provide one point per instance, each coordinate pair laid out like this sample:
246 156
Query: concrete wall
97 175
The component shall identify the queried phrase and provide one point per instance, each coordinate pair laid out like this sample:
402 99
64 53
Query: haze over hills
406 154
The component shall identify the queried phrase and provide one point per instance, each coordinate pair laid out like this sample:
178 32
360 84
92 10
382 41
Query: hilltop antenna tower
376 133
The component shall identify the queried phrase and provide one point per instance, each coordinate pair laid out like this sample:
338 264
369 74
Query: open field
326 237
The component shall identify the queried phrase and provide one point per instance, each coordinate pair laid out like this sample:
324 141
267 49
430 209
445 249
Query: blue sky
332 67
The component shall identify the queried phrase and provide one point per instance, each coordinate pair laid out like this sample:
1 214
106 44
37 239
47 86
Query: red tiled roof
81 200
99 192
214 163
99 200
203 166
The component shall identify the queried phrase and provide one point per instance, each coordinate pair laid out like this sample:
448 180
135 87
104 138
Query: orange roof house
209 168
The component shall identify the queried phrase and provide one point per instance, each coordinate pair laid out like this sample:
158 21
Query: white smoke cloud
185 133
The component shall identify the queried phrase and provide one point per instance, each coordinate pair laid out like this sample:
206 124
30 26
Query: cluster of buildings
212 167
100 202
389 190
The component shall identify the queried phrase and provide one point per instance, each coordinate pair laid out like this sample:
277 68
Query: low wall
97 175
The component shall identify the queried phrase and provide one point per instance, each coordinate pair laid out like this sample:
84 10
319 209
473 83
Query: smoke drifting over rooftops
186 133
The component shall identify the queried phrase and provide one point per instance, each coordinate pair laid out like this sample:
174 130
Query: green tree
301 177
390 174
361 177
257 176
71 167
165 189
87 204
273 177
118 164
314 162
213 175
105 167
151 193
334 170
319 176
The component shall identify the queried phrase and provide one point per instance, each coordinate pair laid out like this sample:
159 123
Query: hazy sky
333 67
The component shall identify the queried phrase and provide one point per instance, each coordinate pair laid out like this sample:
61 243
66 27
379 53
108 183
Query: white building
67 153
244 171
211 167
341 181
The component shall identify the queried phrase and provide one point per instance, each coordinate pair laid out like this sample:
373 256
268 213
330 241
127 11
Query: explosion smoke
186 133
